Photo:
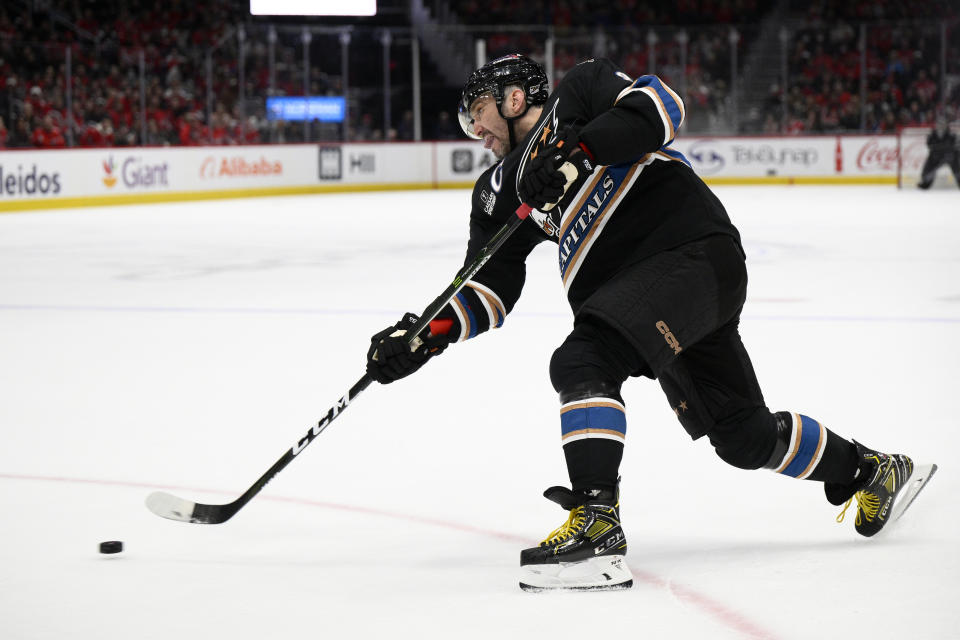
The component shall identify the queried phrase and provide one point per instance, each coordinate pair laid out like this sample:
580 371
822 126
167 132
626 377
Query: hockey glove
556 167
392 357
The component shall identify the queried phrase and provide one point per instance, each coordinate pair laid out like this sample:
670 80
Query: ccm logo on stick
669 337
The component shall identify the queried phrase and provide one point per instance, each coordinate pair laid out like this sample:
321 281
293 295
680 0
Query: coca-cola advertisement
880 155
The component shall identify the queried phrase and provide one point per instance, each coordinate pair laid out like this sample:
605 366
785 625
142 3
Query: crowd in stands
108 106
902 83
178 100
179 103
901 58
609 14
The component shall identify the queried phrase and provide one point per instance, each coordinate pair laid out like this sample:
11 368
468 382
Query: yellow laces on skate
567 529
867 504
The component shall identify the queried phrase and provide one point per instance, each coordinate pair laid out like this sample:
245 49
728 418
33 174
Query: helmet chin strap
510 125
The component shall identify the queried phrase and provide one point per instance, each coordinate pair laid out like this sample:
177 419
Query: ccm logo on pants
669 337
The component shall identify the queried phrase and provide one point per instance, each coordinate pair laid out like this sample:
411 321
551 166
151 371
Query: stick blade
170 506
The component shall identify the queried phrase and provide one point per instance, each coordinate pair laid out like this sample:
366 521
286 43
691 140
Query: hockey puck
111 546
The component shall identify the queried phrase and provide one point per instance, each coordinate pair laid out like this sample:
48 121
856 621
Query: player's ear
517 100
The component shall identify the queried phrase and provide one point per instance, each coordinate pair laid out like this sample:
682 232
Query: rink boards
41 179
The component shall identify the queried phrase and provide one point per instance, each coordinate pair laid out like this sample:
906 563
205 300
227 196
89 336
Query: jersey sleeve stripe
488 310
672 154
668 131
470 330
675 103
668 104
494 306
459 307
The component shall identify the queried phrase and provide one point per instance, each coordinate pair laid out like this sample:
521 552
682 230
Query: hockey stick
169 506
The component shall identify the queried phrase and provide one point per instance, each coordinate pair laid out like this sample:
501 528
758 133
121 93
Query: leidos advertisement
26 179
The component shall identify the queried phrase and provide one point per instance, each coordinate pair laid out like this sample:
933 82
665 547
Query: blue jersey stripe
676 155
470 317
673 108
580 223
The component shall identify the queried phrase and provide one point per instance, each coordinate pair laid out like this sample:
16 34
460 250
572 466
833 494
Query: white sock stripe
573 437
596 400
821 447
791 448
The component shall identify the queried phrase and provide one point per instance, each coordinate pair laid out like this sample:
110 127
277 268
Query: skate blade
593 574
915 483
604 587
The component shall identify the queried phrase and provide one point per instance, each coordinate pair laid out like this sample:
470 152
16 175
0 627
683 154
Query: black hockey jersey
941 145
642 197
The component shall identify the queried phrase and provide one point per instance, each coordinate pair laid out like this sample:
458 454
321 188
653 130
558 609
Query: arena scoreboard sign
311 108
313 7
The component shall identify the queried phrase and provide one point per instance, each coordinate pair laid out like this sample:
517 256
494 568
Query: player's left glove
392 357
544 182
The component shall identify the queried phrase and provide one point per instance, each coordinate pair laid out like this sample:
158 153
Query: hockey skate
586 552
886 487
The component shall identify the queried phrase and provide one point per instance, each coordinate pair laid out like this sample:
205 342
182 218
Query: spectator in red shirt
924 87
48 135
218 129
184 129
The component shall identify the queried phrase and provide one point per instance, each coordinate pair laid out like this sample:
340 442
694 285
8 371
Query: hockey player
654 274
943 150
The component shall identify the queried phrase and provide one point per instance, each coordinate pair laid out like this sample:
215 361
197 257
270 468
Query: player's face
490 126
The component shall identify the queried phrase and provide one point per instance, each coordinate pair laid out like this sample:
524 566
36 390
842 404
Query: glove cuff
586 150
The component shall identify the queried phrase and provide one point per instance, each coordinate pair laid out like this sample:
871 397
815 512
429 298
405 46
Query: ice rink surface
186 346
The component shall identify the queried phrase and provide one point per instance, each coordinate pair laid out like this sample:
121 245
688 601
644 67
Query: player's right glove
391 357
556 167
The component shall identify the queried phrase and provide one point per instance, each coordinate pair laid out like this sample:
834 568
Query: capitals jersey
641 198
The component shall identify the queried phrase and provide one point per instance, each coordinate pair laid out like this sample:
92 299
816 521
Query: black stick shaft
485 253
221 513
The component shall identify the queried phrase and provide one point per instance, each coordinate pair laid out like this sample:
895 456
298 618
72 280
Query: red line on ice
689 596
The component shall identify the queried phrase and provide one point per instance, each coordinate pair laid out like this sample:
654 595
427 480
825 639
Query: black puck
111 546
